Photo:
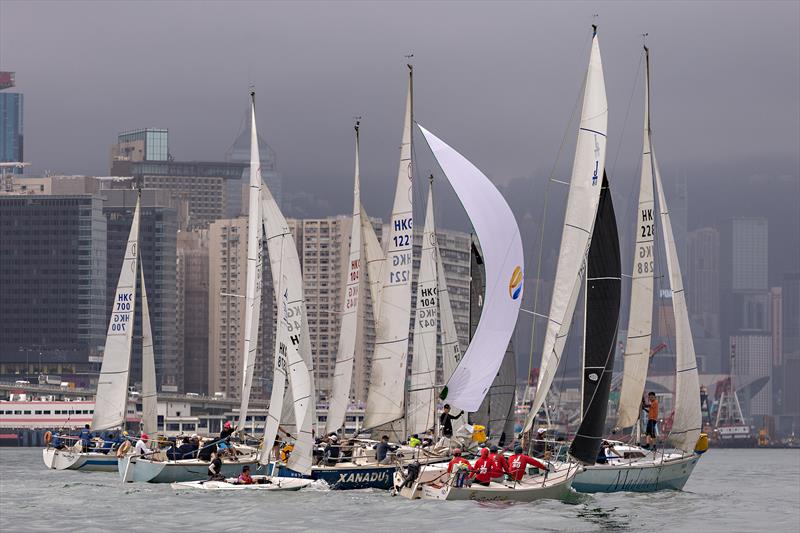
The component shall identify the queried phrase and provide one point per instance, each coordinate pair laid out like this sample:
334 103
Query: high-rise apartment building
192 309
11 131
754 360
702 279
148 144
157 250
52 285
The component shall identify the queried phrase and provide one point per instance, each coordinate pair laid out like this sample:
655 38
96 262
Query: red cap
145 436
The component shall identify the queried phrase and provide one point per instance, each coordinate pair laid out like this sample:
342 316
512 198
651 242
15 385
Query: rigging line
550 179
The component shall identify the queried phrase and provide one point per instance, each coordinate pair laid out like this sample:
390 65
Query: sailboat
635 468
111 400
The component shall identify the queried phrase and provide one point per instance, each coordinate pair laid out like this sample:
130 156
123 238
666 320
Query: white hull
272 484
137 469
66 459
554 486
648 474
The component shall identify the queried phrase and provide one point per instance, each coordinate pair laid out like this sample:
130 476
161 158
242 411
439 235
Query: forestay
386 395
111 400
499 236
343 372
640 321
584 194
149 399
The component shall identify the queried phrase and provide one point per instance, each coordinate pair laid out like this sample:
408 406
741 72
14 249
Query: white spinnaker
386 395
343 372
376 260
254 269
499 236
420 413
640 321
582 202
111 400
149 399
686 423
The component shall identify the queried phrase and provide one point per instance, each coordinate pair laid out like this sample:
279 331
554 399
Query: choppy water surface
730 490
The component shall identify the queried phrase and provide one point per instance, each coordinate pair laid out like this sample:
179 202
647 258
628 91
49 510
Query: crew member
481 472
446 421
519 462
652 418
456 460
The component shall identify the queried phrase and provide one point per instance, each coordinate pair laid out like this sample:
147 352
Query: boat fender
47 437
702 444
123 449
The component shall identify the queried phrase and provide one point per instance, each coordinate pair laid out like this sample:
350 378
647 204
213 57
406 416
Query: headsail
420 415
343 372
603 293
149 399
254 266
386 396
499 236
584 195
111 400
686 423
640 321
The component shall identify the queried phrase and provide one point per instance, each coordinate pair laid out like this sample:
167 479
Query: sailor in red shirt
519 462
482 469
499 465
456 460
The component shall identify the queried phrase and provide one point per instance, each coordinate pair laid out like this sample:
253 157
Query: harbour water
730 490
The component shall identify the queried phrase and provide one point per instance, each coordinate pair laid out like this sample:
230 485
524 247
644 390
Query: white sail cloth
343 371
582 202
253 272
686 423
149 398
420 413
499 236
386 395
111 400
636 356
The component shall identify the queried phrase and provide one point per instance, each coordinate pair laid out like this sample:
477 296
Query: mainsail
603 293
386 395
112 385
343 372
499 236
253 273
582 201
420 413
686 423
640 321
149 399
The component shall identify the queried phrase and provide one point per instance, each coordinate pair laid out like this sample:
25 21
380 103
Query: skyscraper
11 131
702 278
192 312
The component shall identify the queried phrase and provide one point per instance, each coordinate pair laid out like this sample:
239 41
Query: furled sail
640 321
253 273
386 395
499 236
111 400
584 195
603 293
686 423
420 414
343 372
149 399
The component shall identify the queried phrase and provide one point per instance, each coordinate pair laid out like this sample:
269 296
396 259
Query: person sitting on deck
141 445
382 450
215 468
186 450
414 441
57 443
205 451
519 462
498 464
540 443
108 443
332 450
456 460
481 472
225 434
244 477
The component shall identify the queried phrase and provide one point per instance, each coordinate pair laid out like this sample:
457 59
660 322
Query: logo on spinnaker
515 284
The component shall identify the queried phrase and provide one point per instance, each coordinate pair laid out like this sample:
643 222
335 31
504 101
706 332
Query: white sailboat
633 468
111 399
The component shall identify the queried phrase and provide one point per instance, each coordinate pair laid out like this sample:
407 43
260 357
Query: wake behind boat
268 483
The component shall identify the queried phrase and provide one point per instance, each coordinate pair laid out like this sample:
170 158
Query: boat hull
348 477
638 476
275 484
66 459
136 469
